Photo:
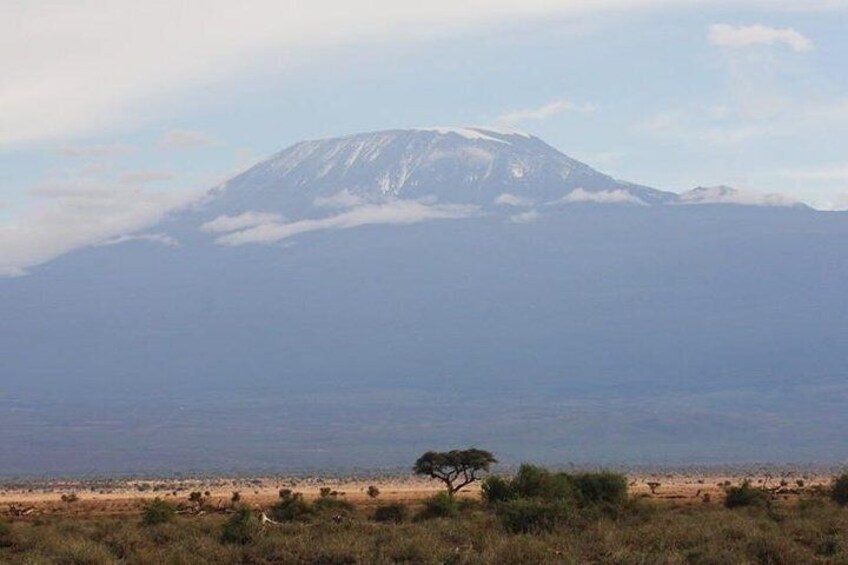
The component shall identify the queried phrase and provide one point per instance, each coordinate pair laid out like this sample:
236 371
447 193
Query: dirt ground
29 500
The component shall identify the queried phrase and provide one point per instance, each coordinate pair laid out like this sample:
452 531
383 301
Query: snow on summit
462 165
415 175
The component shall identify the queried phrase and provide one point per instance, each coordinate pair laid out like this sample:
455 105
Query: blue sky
144 106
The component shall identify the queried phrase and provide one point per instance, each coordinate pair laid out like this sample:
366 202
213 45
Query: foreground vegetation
536 516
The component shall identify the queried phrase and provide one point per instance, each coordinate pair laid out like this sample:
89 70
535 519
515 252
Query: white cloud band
396 212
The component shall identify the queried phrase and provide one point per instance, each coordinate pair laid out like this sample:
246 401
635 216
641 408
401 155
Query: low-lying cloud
727 195
67 218
340 200
394 212
160 238
226 224
580 196
507 199
527 217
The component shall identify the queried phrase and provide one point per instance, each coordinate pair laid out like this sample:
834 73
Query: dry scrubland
539 517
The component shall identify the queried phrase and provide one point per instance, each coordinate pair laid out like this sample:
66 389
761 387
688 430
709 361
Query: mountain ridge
419 174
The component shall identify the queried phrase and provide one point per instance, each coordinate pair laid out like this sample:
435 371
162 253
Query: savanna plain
526 515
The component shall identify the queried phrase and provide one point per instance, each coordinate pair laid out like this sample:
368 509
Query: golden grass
810 531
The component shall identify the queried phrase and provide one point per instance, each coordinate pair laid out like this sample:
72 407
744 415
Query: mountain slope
595 333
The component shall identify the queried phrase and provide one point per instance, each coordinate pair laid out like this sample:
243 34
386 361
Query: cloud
66 218
580 196
755 116
76 68
727 195
507 199
343 199
764 97
525 217
96 150
394 212
838 204
543 112
160 238
185 138
735 37
225 224
144 177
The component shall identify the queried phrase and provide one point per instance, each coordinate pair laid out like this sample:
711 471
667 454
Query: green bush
531 482
527 515
441 505
497 489
536 482
745 495
600 488
373 491
157 512
839 489
394 513
291 507
240 528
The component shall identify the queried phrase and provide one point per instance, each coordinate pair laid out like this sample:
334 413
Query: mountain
471 164
355 301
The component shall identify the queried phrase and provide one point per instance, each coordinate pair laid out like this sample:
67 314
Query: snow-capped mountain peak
467 165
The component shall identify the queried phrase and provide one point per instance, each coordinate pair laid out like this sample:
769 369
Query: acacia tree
457 468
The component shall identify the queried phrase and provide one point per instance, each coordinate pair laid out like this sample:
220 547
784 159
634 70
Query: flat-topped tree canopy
456 468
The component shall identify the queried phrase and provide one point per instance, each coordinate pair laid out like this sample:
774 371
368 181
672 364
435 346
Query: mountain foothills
356 301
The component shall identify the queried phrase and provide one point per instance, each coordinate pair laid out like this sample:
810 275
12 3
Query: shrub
6 536
236 497
497 489
333 505
196 497
537 482
525 515
325 492
600 488
157 512
441 505
839 489
394 513
291 507
531 482
70 498
744 495
240 528
373 491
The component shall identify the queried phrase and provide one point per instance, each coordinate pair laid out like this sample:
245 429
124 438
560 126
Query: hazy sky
127 108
